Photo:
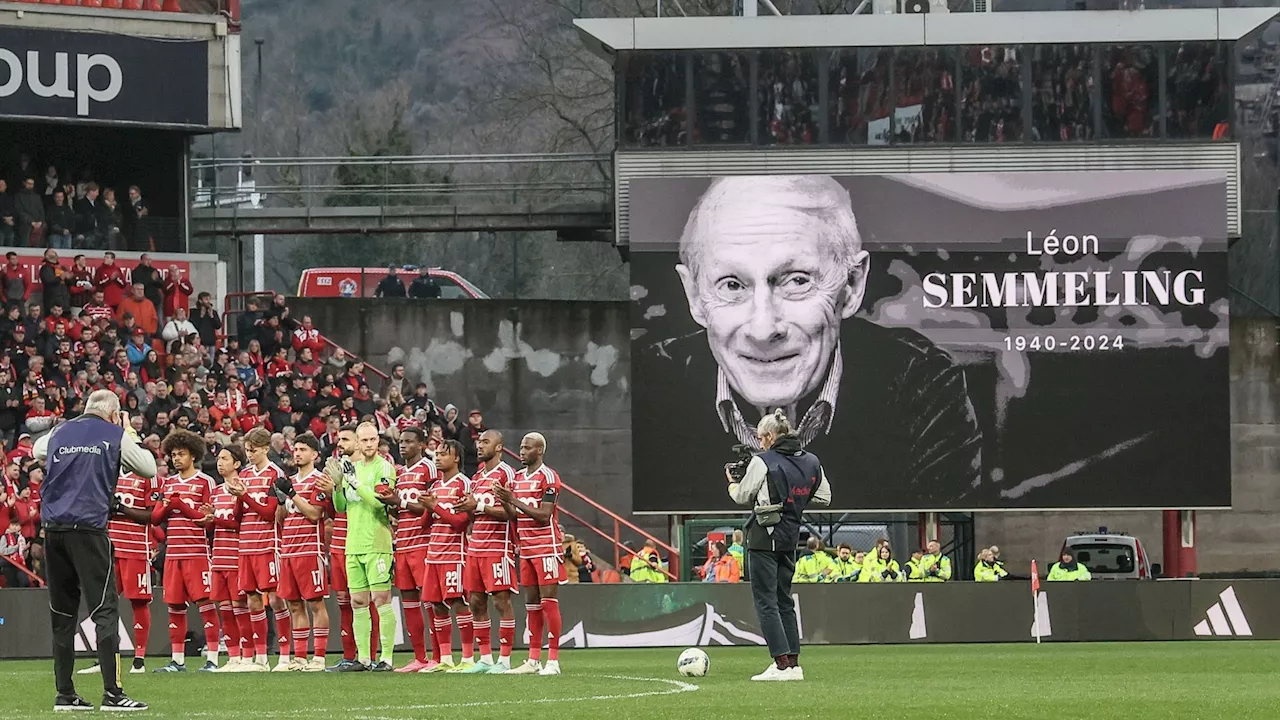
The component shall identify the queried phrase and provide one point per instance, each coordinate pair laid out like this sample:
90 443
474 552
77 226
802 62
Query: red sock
551 611
300 636
444 635
345 632
535 631
178 631
141 626
466 629
284 627
375 643
431 634
483 635
259 622
506 636
230 630
209 617
414 626
246 632
322 641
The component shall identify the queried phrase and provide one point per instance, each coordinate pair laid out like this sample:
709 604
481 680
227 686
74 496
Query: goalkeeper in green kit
364 490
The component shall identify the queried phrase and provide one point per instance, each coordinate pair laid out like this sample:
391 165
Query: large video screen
942 341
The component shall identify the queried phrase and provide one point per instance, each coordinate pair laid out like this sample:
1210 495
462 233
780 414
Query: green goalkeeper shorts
369 572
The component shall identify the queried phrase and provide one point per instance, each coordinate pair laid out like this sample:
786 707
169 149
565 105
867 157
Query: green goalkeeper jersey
368 522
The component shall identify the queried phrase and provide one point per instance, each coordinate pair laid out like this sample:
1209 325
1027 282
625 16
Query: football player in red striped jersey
131 539
531 499
237 628
184 502
491 566
411 540
449 505
302 572
259 558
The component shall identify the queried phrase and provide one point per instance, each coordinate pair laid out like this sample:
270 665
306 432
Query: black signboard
99 77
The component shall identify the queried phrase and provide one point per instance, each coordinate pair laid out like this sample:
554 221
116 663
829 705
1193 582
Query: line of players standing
457 543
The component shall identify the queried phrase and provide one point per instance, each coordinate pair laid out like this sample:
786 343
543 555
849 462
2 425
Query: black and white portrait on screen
921 340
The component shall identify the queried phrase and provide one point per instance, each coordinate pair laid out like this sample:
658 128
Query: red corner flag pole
1035 606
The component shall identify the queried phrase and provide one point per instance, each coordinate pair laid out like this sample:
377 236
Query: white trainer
282 666
774 674
796 671
552 668
530 667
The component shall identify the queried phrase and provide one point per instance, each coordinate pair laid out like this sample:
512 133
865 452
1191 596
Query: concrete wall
1241 539
562 368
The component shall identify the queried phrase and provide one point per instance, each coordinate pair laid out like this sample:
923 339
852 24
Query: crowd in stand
173 367
51 209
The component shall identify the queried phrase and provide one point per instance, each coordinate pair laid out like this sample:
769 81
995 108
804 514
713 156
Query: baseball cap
474 412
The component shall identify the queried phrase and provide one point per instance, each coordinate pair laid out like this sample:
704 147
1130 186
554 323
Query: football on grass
693 663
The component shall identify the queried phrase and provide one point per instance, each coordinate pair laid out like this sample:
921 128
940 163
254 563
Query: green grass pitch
1140 681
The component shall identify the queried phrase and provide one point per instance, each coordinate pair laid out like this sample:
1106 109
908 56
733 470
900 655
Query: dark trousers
80 561
771 573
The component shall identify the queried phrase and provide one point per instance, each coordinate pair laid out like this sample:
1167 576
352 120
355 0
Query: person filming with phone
778 485
83 460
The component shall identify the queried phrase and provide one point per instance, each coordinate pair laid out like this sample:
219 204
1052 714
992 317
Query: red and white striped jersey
447 545
489 535
130 539
258 533
338 542
535 540
185 539
411 483
226 541
301 537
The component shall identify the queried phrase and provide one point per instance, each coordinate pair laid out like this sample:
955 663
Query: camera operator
778 484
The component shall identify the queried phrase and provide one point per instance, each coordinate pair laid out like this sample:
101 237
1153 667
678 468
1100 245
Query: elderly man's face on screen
771 265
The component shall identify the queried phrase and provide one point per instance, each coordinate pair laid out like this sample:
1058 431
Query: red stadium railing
620 551
38 582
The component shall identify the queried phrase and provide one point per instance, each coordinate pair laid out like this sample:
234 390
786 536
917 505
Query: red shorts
133 578
411 570
302 578
225 586
444 582
259 573
542 571
186 580
489 574
338 572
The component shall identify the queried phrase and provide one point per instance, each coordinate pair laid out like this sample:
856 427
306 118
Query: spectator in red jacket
22 450
279 366
177 291
111 280
253 417
308 337
97 307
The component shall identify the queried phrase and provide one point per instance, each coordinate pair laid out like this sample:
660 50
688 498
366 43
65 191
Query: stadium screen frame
1010 341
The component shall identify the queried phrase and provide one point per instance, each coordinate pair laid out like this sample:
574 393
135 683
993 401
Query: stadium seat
171 6
151 5
112 4
132 4
51 2
91 3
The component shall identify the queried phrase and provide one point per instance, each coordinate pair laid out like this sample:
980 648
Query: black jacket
390 286
54 286
424 287
152 284
207 325
60 218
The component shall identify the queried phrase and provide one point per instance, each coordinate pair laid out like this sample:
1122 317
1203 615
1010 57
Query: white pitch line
674 687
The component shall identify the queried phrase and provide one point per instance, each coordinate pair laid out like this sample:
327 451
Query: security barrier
687 614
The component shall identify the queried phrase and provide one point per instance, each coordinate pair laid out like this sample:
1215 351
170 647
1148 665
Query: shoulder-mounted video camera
738 468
